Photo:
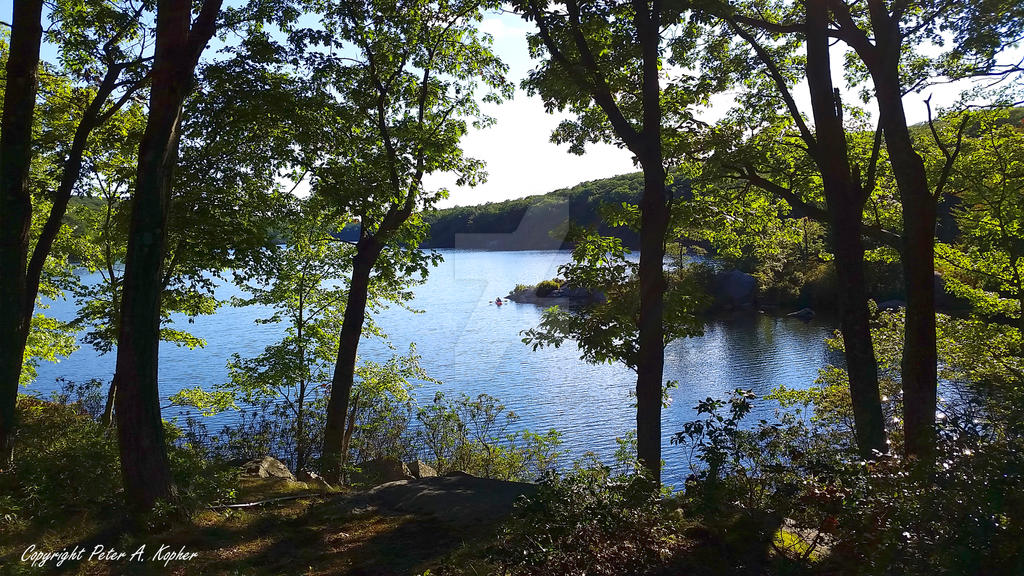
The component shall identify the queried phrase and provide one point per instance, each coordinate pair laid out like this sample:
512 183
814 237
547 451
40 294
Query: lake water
473 346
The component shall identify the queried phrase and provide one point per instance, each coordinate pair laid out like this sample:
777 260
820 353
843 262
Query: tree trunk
350 428
108 409
144 462
651 338
654 218
16 210
367 251
854 318
920 359
845 201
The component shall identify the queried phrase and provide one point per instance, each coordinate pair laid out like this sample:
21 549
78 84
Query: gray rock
578 293
267 467
420 469
734 289
380 471
458 498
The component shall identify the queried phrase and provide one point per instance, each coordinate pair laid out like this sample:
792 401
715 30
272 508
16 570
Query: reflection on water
474 347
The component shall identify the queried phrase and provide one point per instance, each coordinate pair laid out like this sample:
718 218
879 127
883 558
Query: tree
179 44
887 43
985 263
605 330
299 281
237 131
604 62
846 188
407 86
16 208
886 40
100 47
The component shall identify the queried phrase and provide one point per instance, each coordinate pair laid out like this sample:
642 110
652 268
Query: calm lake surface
474 347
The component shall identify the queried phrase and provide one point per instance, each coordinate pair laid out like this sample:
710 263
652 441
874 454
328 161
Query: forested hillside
534 222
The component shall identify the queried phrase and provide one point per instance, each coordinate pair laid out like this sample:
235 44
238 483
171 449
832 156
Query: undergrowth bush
200 477
545 288
66 464
473 435
880 517
459 433
588 522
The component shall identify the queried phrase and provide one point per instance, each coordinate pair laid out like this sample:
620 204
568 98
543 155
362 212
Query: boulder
456 498
578 293
420 469
267 467
381 471
734 289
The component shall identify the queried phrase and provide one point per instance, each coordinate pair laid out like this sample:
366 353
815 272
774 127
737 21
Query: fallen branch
267 501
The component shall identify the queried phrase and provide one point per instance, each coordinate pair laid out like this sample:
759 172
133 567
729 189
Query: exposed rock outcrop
734 290
570 295
267 467
420 469
805 314
380 471
458 498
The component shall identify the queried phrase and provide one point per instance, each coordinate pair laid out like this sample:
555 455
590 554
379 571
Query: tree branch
781 84
812 211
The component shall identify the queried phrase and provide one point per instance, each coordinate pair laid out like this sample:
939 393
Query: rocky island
553 292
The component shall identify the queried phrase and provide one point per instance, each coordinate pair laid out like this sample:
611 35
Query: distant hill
534 222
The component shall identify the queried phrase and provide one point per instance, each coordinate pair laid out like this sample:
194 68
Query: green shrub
200 477
545 288
965 517
472 435
66 463
588 522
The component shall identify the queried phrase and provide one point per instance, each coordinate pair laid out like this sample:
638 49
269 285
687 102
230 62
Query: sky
521 160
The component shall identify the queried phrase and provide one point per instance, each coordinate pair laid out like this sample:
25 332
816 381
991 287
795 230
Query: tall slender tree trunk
332 457
845 201
654 218
651 337
107 418
920 359
854 318
300 415
16 210
144 462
